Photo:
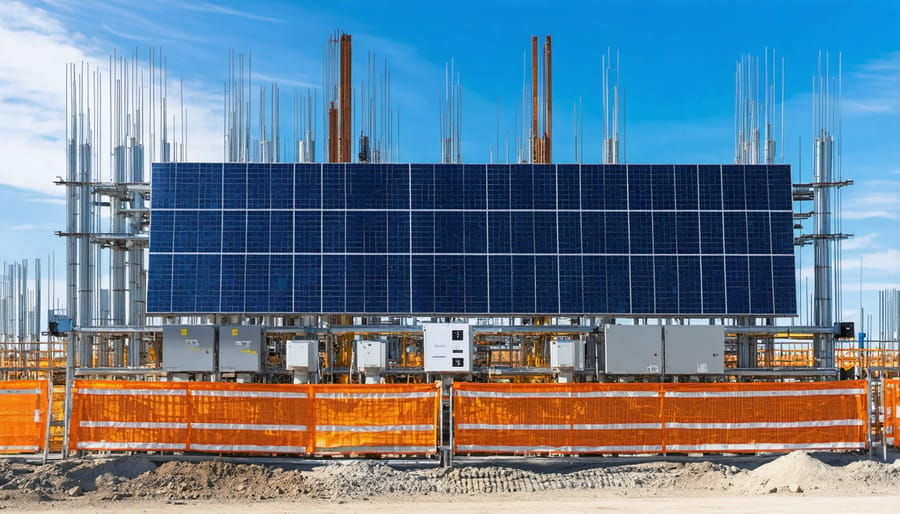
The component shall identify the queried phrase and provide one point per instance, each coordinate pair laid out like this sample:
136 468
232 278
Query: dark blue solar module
654 240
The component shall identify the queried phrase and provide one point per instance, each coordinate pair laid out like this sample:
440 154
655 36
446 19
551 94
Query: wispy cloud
31 226
282 81
125 35
47 199
886 261
879 90
865 241
881 199
209 7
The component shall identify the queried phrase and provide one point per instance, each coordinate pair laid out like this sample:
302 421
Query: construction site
314 297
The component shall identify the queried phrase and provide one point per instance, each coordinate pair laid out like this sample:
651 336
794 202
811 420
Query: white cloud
879 81
886 261
36 49
209 7
865 241
880 199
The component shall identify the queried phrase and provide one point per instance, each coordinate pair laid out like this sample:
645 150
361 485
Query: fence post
48 416
883 415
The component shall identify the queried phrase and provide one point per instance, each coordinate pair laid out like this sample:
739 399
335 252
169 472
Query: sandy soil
772 484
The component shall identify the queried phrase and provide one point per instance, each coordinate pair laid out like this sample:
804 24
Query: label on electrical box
183 332
192 344
244 346
234 332
702 367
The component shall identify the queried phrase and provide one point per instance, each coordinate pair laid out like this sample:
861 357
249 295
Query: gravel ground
141 483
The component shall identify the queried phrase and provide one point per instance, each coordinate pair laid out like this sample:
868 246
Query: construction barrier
23 416
124 415
402 419
556 418
891 403
753 417
658 418
254 418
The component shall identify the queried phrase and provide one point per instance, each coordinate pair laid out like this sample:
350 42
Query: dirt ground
772 484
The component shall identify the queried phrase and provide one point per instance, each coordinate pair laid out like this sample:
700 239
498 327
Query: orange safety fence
556 418
23 415
752 417
402 419
254 418
891 403
658 418
128 415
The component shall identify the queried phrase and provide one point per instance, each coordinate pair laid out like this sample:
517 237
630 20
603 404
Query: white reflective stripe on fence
769 424
20 391
19 448
588 394
37 415
619 426
247 448
134 392
374 428
485 426
763 446
242 426
132 424
376 396
763 394
608 426
247 394
107 445
377 449
568 449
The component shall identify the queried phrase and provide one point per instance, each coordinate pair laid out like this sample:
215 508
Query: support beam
535 145
346 99
547 145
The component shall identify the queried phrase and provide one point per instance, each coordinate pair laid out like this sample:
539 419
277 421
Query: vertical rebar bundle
611 120
450 113
826 275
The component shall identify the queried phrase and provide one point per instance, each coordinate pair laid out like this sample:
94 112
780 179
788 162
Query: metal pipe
547 146
535 149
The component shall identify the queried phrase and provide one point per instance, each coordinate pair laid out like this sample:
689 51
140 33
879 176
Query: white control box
448 347
302 355
567 354
371 356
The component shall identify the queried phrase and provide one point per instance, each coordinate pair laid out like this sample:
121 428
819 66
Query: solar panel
521 239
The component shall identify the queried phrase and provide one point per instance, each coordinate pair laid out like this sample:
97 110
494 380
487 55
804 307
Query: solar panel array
654 240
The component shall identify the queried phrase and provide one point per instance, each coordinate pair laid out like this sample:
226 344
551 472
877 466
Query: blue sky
678 63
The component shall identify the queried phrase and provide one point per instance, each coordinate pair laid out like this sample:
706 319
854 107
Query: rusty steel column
346 98
535 145
332 134
548 105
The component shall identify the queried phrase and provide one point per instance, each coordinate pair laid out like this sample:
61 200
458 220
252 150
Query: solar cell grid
471 239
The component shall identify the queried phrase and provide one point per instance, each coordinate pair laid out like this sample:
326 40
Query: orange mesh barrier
23 415
258 418
399 419
891 402
648 418
752 417
556 418
126 415
254 418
